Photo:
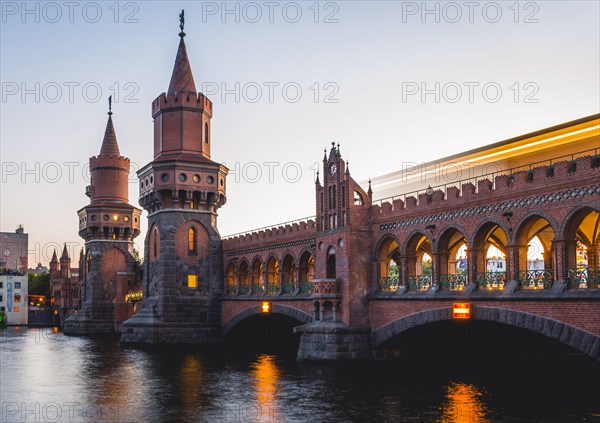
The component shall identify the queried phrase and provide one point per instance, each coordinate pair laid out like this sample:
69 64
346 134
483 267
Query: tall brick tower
181 189
108 225
342 267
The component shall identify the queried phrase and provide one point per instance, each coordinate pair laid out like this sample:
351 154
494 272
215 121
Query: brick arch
299 315
289 253
444 233
474 240
575 217
411 239
382 240
269 257
576 338
518 227
257 257
242 261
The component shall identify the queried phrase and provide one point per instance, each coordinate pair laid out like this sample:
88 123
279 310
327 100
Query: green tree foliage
39 284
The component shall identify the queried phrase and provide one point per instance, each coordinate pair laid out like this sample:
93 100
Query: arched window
331 263
192 241
205 132
155 244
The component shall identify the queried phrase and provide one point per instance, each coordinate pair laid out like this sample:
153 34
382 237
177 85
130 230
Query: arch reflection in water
463 404
266 374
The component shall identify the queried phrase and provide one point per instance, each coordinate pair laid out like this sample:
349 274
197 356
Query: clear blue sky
370 53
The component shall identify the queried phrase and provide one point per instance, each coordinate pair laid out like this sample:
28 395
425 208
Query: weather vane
182 20
110 104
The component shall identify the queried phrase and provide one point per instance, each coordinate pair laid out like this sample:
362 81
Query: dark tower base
173 310
333 341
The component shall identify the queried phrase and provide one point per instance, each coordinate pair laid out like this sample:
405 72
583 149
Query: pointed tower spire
109 143
370 191
65 253
54 257
317 182
348 168
182 79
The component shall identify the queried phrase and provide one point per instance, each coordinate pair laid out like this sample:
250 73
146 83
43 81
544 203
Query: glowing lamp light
16 308
461 310
266 307
55 312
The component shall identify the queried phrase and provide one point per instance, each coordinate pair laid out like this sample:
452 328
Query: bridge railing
389 283
491 280
419 282
270 288
536 279
454 281
587 277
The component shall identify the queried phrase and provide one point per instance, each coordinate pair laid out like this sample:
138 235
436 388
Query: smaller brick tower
108 224
342 267
54 266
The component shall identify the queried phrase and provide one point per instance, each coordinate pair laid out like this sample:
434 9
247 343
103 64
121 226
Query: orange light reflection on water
266 378
463 404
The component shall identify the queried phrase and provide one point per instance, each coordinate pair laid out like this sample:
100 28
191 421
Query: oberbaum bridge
360 272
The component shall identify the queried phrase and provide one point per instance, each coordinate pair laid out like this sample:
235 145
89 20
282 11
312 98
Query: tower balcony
326 288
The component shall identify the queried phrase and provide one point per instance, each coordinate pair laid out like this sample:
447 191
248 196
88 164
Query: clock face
332 169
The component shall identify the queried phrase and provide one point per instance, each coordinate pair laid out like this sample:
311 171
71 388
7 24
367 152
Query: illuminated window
192 241
192 281
16 308
17 298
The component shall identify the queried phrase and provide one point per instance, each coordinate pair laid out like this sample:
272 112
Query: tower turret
109 224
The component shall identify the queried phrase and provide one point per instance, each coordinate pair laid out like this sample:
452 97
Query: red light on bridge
461 310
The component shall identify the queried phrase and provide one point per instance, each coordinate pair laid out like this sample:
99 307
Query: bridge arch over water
576 338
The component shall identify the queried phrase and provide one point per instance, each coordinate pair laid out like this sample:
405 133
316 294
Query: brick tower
181 189
108 225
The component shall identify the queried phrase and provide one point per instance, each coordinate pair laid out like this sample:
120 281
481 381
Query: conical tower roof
182 79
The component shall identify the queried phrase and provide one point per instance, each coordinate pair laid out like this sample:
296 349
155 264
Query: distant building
13 249
13 276
39 269
65 286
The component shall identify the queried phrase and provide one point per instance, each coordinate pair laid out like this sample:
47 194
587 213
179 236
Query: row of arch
535 253
271 276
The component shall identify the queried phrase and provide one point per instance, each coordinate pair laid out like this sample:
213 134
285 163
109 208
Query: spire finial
182 23
110 105
370 191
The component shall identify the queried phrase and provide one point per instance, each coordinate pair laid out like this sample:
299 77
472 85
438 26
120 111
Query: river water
48 377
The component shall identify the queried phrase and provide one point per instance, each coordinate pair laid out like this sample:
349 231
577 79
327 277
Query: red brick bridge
360 272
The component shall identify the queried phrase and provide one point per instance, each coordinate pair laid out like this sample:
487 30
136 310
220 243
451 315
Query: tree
39 284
